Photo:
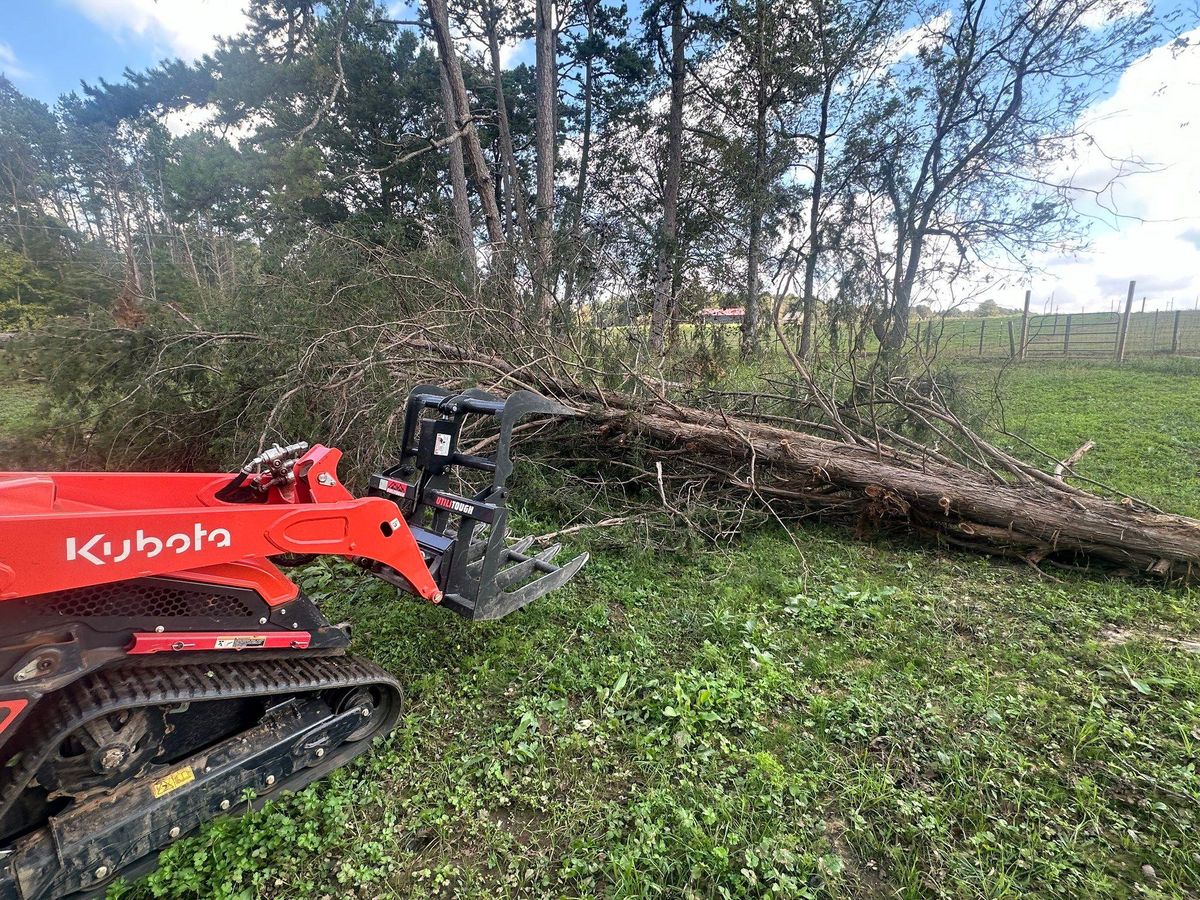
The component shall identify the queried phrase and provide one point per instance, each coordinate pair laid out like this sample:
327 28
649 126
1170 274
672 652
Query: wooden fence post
1025 324
1124 333
1012 342
1175 332
982 329
1067 337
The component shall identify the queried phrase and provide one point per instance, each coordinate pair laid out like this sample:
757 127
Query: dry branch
1061 470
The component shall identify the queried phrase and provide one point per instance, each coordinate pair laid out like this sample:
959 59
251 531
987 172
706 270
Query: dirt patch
863 874
1114 636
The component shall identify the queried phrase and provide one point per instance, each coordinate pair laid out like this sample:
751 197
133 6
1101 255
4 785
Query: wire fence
1099 335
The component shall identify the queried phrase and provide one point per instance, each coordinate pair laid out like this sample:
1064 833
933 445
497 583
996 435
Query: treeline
841 155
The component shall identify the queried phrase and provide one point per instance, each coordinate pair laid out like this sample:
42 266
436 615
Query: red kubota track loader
155 663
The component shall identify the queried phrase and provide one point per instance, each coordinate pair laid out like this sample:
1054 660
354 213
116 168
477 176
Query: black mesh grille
140 599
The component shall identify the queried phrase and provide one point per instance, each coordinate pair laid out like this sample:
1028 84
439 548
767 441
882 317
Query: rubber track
112 690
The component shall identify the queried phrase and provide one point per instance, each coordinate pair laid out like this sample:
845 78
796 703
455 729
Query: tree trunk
439 20
514 197
545 134
809 300
897 332
585 155
464 230
668 249
963 507
758 194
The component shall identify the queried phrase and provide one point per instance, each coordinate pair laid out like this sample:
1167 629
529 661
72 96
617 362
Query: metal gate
1078 334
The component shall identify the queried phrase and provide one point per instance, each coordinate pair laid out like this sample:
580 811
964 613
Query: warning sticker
240 642
172 782
441 445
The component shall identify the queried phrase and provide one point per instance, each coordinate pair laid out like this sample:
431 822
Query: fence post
1067 337
1154 335
1025 324
917 339
1175 332
982 329
1125 322
1012 341
928 336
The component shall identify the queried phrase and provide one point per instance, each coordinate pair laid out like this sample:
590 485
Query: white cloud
1105 13
191 118
10 65
186 28
1148 223
922 36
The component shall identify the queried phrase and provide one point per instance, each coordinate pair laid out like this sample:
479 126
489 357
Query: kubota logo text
99 549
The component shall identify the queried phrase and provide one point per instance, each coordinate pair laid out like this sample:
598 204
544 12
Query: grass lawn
1144 417
799 716
832 718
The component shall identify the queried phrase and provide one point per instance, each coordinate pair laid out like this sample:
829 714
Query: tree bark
545 134
962 506
758 192
809 300
585 156
514 198
464 230
664 294
439 20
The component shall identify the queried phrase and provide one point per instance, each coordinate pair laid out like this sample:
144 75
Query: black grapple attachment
463 534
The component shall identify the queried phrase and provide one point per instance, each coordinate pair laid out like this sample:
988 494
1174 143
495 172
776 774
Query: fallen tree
1022 512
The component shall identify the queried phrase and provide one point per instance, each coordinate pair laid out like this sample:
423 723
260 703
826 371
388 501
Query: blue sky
52 45
1151 113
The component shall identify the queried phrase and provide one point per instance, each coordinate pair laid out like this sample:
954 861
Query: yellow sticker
172 782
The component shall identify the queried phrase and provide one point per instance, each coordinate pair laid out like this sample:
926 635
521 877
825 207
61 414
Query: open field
1091 335
798 715
1144 417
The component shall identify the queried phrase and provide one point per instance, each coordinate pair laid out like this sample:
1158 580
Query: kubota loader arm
63 530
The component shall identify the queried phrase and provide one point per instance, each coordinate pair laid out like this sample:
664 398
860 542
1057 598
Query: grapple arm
464 534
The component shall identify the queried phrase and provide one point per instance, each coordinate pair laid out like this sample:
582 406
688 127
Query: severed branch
1063 468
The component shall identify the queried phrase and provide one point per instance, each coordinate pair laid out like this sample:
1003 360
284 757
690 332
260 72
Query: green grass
1144 417
824 719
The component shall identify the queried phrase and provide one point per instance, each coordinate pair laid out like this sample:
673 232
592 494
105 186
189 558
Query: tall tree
850 44
481 175
546 138
968 126
667 261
